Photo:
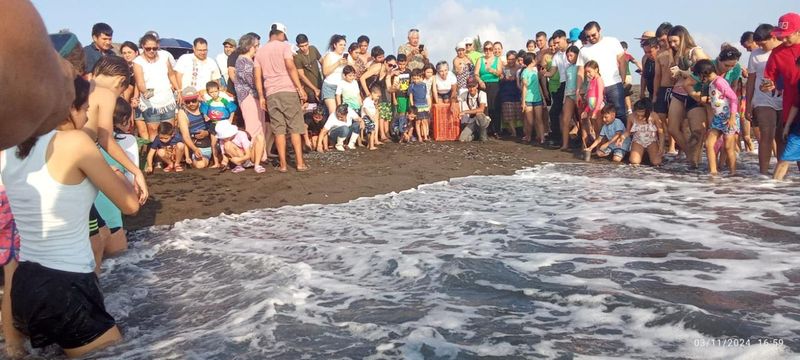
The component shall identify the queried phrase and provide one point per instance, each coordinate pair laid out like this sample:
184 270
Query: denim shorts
534 103
613 152
153 115
328 91
205 152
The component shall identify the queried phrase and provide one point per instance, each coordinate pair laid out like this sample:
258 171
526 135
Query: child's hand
732 121
198 154
148 169
785 132
619 141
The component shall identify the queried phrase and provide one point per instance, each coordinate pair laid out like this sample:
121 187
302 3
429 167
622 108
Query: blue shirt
610 130
93 55
157 144
420 92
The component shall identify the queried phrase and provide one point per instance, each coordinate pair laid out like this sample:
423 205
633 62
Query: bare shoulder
76 140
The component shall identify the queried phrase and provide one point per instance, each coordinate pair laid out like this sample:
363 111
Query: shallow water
562 261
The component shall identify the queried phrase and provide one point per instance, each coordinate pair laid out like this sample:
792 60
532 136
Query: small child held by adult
419 96
647 134
218 105
611 140
169 148
240 150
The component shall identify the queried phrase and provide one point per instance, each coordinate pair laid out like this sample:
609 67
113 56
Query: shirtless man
663 81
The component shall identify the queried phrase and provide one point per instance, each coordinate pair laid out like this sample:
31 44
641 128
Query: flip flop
179 168
283 170
303 169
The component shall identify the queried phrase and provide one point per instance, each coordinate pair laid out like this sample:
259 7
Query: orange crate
446 125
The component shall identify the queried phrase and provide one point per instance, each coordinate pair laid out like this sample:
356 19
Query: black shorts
689 102
95 221
53 306
661 102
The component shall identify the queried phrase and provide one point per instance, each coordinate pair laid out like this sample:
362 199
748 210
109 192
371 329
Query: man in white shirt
610 57
228 46
196 69
473 117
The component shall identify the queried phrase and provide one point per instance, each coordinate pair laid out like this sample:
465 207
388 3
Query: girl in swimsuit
648 135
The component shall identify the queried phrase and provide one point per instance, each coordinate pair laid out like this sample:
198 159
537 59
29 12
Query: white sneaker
339 147
351 146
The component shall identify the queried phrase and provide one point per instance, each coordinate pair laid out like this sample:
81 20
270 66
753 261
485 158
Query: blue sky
442 23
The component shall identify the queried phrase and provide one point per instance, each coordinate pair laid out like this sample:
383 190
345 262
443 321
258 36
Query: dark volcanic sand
334 178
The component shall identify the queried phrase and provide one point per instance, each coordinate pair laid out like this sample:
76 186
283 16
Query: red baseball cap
788 24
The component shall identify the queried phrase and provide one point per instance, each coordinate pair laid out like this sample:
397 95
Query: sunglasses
488 49
150 48
193 101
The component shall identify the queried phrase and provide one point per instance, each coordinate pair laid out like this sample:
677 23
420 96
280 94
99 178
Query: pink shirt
240 140
723 99
270 58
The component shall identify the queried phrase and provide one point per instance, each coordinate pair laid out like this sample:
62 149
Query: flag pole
391 17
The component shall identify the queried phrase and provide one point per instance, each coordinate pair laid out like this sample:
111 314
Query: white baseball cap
280 27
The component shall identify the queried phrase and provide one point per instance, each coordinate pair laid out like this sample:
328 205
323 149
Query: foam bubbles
558 261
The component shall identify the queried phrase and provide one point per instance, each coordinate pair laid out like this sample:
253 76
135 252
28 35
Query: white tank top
52 218
336 76
156 77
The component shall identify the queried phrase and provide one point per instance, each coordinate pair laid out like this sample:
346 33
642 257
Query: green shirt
533 93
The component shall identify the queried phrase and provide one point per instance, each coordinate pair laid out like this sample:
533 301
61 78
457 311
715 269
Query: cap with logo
788 24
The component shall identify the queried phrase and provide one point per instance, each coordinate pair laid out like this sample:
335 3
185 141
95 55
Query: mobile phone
421 47
345 55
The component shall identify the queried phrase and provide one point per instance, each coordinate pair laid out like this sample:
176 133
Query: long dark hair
81 97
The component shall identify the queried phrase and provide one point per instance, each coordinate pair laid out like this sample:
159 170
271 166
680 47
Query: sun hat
647 35
225 129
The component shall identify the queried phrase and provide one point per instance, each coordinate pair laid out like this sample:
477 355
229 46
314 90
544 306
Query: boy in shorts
613 132
169 147
401 80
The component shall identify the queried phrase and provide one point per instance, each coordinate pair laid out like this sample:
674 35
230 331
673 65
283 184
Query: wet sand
334 178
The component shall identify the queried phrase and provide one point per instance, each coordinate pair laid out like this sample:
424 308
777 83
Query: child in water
725 120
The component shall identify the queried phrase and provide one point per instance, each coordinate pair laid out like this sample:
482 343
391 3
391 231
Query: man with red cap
781 63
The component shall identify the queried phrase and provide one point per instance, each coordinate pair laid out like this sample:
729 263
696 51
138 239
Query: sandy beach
334 178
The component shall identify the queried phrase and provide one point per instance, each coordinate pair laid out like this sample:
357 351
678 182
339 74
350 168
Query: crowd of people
62 205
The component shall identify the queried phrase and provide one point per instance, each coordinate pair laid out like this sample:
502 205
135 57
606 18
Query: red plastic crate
446 125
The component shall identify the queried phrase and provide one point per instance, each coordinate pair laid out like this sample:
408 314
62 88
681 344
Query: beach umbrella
176 47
